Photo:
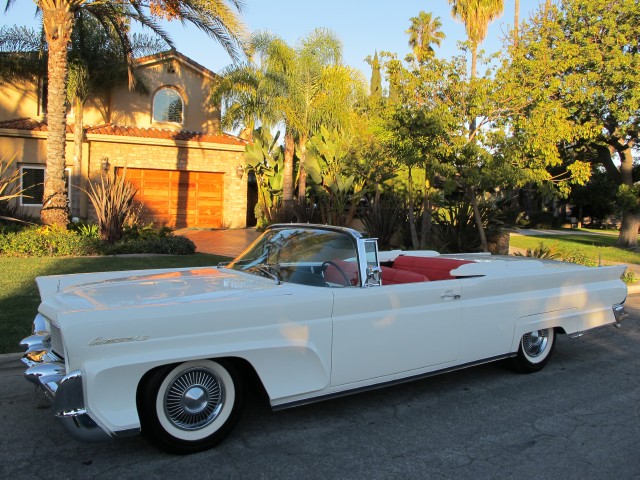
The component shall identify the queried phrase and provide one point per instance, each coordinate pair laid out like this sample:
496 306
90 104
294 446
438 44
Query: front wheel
190 407
534 351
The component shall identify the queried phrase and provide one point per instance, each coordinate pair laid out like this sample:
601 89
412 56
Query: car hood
104 291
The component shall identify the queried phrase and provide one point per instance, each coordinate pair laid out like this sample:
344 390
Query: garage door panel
179 199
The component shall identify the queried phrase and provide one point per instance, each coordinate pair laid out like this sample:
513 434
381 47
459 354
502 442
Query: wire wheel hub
534 343
194 399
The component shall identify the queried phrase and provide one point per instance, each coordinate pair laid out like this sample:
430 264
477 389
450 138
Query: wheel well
248 374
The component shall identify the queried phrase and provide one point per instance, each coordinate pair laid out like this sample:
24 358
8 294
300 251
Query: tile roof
28 124
127 131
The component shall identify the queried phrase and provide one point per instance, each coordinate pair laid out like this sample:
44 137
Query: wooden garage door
179 199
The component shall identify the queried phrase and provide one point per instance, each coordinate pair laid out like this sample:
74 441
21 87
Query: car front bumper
48 372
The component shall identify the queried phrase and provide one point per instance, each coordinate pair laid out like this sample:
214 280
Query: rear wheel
190 407
534 351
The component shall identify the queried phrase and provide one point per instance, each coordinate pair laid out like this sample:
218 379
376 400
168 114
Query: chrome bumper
48 372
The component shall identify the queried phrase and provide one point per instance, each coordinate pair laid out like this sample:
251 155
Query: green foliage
337 191
455 230
112 200
82 239
166 245
541 251
576 255
383 219
628 198
46 241
85 229
375 87
425 31
629 277
265 158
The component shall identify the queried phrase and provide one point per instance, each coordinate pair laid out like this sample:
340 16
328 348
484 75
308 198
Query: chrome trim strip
306 401
42 339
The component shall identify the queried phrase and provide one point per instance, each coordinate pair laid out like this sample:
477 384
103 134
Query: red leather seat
393 276
434 268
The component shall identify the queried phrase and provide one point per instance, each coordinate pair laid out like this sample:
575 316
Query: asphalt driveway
579 418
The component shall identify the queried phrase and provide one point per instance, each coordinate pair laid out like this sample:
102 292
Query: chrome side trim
342 393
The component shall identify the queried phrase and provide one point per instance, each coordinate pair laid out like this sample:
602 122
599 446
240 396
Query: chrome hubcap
194 399
534 343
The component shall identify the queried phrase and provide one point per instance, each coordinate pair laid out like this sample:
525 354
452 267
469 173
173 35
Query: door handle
449 295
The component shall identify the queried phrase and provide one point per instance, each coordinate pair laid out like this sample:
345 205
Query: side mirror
374 275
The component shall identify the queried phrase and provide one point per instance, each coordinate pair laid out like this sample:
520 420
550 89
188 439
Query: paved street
579 418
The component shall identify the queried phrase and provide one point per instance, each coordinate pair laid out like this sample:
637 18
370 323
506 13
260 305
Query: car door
387 330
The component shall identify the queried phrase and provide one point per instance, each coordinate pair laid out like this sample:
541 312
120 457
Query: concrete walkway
230 242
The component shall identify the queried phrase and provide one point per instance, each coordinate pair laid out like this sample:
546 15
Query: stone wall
178 155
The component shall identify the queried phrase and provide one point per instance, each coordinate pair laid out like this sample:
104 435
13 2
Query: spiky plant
112 199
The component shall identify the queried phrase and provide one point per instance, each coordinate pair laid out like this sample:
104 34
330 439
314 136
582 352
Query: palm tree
302 87
99 60
242 91
476 15
424 32
214 17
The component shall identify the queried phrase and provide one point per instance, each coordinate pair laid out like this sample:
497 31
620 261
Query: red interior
393 276
434 268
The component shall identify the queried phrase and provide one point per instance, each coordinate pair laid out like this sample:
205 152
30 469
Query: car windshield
308 256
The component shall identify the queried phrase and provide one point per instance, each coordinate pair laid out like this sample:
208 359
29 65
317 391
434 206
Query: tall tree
214 17
582 63
243 91
375 87
310 87
476 15
424 32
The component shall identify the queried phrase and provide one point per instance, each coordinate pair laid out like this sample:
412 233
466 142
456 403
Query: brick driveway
229 242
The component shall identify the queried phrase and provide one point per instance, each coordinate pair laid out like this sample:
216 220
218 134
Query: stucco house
188 173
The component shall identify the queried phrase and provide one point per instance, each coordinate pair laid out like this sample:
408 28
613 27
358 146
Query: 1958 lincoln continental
310 312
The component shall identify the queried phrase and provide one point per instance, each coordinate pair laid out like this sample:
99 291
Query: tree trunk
628 237
78 137
412 218
57 24
302 179
287 174
425 226
478 217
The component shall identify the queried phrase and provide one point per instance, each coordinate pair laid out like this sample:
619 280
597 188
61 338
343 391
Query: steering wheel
325 265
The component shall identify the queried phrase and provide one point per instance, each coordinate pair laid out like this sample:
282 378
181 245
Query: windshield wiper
268 270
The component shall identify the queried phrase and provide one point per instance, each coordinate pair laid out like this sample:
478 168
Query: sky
364 26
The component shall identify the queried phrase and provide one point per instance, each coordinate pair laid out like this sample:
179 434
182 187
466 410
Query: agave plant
9 187
112 199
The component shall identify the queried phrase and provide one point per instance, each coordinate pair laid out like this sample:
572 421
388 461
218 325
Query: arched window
167 106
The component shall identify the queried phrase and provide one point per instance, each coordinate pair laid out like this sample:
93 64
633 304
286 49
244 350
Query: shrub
167 245
85 229
383 219
543 251
46 241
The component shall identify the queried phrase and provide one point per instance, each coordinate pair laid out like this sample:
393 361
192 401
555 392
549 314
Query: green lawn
19 298
596 246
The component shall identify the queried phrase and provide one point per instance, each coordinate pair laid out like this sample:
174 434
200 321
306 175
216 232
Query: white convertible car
310 312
